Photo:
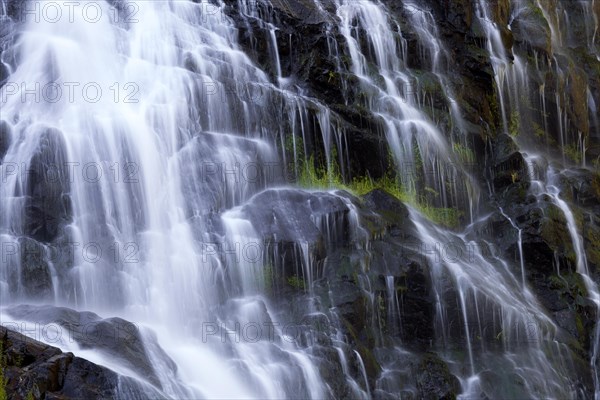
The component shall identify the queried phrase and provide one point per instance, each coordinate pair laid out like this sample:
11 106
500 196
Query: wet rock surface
116 338
32 369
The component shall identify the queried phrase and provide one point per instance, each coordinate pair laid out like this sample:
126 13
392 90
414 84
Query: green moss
537 130
447 217
578 99
592 237
494 108
569 287
572 152
400 289
296 283
579 325
3 380
372 367
514 125
464 154
554 232
313 176
294 147
320 177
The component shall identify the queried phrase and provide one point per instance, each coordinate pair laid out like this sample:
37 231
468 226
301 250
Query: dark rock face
434 379
4 135
32 368
281 215
48 207
291 222
509 165
35 271
385 204
115 337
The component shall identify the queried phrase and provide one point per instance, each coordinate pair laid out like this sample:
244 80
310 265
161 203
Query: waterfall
516 78
418 145
146 166
165 163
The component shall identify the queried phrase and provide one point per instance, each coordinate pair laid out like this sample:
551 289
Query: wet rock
4 134
47 206
115 337
531 27
331 370
509 166
417 304
349 300
388 206
434 380
290 215
34 369
584 186
36 278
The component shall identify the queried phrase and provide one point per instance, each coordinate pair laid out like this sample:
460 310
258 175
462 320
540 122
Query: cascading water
418 146
525 111
166 149
160 193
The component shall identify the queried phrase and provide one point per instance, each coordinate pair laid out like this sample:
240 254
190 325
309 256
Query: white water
490 302
391 93
519 244
173 134
514 90
547 184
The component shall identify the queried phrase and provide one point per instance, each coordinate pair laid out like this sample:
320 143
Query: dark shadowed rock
388 206
115 337
36 278
32 368
48 207
4 135
434 380
291 215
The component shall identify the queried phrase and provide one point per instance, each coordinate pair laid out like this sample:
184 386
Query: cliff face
545 101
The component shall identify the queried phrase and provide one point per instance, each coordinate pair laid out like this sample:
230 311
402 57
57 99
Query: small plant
320 177
331 76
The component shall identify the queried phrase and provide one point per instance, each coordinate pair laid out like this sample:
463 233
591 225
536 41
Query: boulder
115 337
434 380
32 369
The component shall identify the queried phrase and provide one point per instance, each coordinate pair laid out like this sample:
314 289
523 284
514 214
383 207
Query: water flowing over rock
300 199
32 368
